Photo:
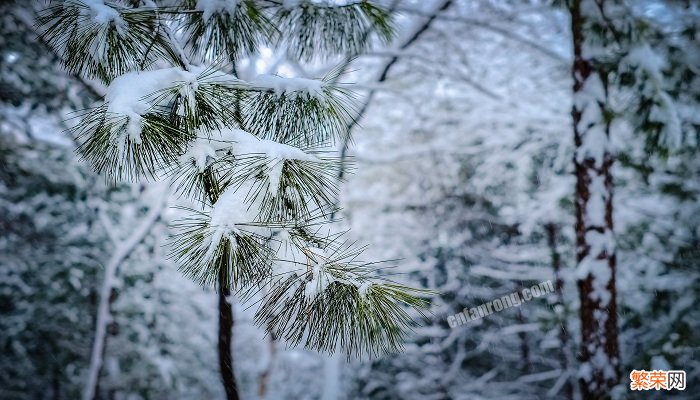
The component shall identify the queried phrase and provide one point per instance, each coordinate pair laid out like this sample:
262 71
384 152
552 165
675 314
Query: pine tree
252 156
595 251
619 53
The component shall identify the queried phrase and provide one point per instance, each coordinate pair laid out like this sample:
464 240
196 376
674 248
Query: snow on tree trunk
225 337
104 316
595 245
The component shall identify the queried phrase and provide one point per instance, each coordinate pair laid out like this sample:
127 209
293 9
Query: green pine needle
104 51
318 31
372 323
298 119
107 146
243 255
226 36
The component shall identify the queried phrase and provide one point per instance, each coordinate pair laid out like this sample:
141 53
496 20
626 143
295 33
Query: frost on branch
211 7
227 238
166 106
225 29
656 111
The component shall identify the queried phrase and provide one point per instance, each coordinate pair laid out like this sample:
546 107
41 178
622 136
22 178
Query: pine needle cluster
252 156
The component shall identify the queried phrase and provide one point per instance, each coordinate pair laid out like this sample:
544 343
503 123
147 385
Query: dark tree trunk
225 338
595 253
228 377
559 307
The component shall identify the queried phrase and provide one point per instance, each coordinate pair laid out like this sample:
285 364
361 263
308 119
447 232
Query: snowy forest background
463 173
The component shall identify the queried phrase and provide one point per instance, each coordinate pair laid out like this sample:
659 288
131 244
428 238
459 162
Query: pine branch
327 300
186 121
96 88
313 114
107 142
226 34
316 31
103 41
204 249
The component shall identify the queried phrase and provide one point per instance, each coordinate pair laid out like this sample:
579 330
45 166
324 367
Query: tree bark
225 337
595 250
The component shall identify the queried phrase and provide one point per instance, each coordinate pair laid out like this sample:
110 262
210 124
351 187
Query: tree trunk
228 377
225 338
559 307
595 247
104 317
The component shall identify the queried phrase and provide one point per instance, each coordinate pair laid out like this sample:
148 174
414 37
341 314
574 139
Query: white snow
132 95
595 141
601 275
595 207
600 242
602 362
237 205
320 278
665 112
642 56
660 362
595 144
232 210
364 288
240 142
104 15
97 13
211 7
281 85
201 152
596 265
128 94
